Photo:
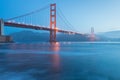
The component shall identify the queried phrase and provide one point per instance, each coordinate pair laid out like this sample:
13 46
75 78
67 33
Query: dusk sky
103 15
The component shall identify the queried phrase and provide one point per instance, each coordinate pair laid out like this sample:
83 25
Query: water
60 61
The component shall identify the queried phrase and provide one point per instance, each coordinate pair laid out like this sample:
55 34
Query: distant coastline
29 36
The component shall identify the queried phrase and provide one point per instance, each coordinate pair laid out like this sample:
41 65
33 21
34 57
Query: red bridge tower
53 23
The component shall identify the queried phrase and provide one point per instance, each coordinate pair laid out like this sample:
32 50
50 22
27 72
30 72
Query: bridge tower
92 36
53 23
1 26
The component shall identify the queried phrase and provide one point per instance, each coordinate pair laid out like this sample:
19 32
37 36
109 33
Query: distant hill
109 36
29 36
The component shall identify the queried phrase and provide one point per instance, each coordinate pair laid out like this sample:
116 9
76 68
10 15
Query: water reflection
31 66
43 61
55 47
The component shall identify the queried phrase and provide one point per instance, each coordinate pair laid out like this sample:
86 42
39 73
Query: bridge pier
3 38
1 26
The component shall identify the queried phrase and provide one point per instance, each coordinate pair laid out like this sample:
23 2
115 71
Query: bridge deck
19 25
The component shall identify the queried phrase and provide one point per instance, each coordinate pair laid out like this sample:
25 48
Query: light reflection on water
38 66
55 47
60 61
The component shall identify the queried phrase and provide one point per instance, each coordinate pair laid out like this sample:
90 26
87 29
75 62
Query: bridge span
35 27
52 26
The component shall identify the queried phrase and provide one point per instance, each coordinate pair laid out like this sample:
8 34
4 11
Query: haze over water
60 61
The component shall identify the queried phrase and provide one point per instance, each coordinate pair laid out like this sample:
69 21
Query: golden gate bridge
53 29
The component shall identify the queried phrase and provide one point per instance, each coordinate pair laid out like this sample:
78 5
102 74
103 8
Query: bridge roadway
21 25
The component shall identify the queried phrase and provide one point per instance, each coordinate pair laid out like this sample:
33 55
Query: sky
103 15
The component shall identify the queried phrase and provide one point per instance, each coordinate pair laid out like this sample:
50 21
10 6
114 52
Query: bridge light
73 33
43 26
9 21
34 25
38 25
27 24
23 22
18 22
70 33
13 21
56 29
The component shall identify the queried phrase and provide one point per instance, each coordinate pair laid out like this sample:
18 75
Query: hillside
29 36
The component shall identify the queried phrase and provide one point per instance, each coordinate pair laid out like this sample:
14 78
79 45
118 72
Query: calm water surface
60 61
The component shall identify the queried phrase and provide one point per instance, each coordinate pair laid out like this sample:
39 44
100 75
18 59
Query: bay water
60 61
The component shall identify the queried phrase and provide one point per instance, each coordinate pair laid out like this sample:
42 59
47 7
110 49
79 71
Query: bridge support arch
53 23
1 26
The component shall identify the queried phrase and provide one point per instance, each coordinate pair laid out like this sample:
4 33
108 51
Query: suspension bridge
53 29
